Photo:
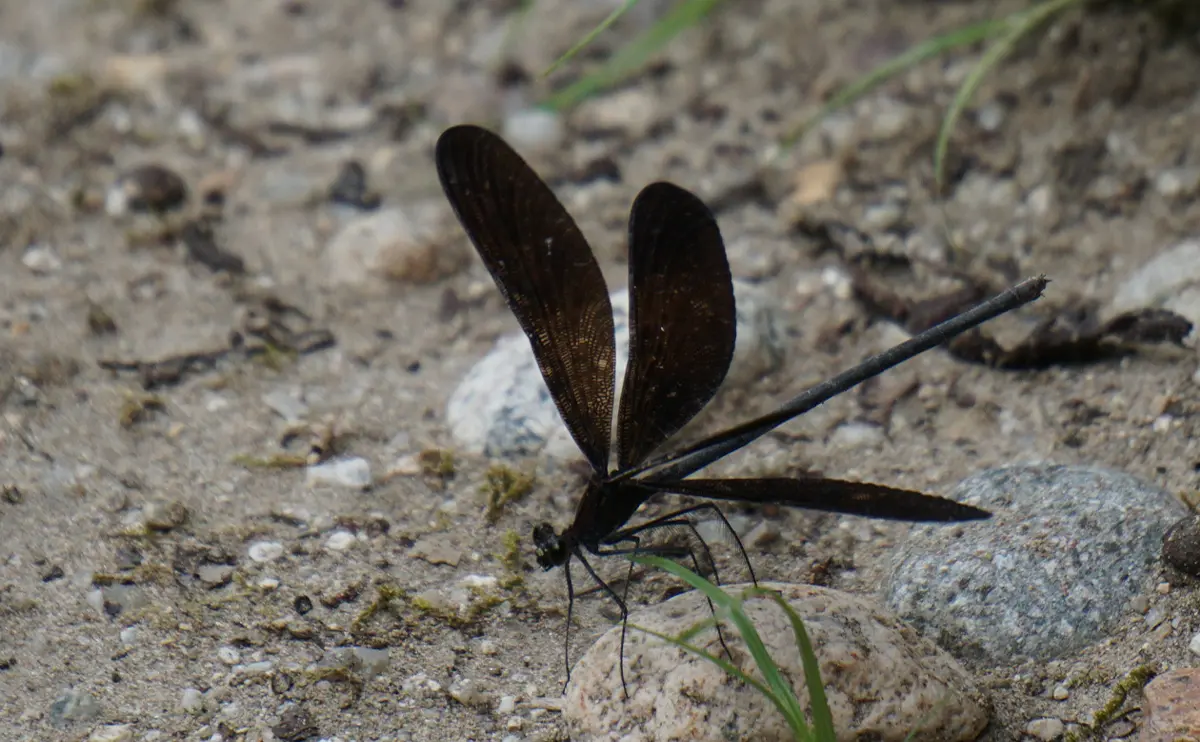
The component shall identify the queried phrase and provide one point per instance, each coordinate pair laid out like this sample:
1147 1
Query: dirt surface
267 100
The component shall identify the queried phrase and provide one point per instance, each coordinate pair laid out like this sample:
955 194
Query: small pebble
129 635
340 541
1155 617
228 655
164 515
507 705
534 129
349 472
1181 545
1061 692
215 575
253 669
488 647
192 701
1045 729
990 116
41 260
1175 182
112 733
265 551
374 661
882 217
468 693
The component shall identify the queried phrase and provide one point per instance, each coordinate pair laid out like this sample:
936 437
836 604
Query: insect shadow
682 326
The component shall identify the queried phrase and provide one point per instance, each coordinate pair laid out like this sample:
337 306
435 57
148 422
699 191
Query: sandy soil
1089 113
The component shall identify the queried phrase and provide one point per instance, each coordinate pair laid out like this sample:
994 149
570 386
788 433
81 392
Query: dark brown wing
546 271
830 495
682 319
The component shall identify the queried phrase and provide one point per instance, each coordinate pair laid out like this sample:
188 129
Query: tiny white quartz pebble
339 541
192 701
507 705
265 551
352 472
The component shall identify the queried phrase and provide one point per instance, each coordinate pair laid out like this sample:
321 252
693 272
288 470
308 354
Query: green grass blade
781 692
821 716
600 28
683 15
724 664
1018 25
910 58
697 629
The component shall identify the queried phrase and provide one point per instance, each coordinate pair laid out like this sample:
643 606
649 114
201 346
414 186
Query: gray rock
502 408
1170 280
1055 568
73 705
882 680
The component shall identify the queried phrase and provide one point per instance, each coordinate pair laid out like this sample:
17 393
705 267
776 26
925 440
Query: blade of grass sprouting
822 718
697 628
782 693
1018 25
724 664
797 724
684 14
910 58
600 28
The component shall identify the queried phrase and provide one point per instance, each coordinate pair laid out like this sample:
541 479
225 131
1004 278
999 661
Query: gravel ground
151 578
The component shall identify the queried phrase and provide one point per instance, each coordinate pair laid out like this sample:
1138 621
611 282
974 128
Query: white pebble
268 583
534 128
228 655
265 551
351 472
507 705
1045 729
488 647
192 701
340 541
129 635
1061 693
41 260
